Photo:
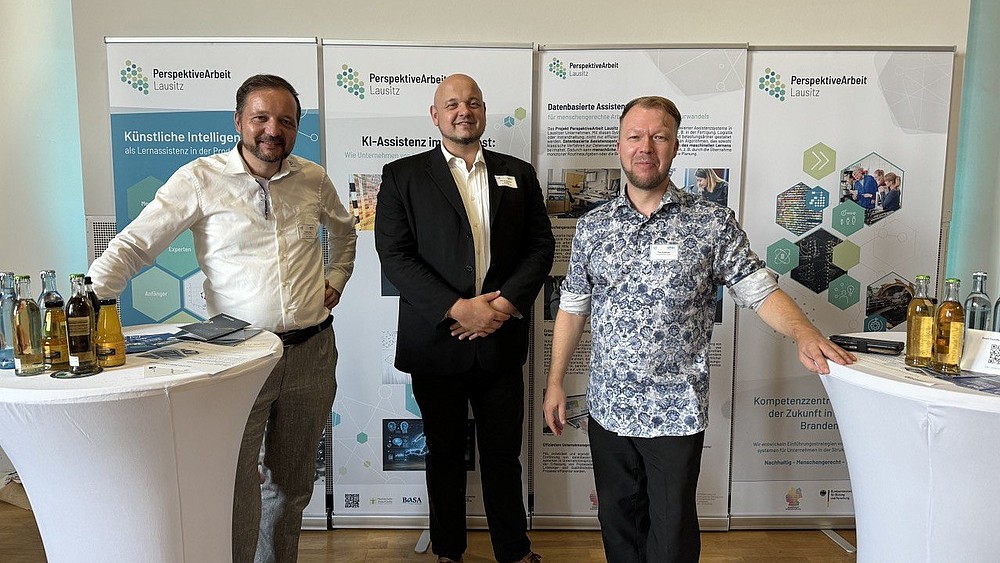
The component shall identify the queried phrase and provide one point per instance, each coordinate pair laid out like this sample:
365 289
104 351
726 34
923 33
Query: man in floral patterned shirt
646 266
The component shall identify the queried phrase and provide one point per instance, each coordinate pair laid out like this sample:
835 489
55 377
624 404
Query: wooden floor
20 543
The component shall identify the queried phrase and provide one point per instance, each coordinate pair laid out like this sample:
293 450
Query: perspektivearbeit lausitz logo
771 84
557 68
132 75
350 80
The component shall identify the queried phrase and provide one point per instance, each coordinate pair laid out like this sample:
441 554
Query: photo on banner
582 93
376 110
833 140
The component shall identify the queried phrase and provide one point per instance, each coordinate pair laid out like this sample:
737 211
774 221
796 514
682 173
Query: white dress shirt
258 246
474 186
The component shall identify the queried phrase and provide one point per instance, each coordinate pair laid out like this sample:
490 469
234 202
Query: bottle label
956 333
105 351
78 326
922 339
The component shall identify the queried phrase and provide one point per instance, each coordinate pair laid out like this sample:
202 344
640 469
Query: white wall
763 22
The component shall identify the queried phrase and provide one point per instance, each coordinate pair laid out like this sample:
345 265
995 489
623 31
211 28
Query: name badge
507 181
308 231
664 252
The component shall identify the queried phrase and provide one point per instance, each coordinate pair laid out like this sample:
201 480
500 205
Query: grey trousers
288 416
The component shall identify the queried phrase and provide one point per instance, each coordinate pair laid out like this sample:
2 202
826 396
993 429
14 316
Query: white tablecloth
924 462
124 467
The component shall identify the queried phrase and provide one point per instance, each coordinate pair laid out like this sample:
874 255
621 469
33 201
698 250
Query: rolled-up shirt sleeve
752 290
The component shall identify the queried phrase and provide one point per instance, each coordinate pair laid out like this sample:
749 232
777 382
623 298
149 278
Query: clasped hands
480 316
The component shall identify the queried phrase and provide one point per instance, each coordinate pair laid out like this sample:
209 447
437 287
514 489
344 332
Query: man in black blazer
464 236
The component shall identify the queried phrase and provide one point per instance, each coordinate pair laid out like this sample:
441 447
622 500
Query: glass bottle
110 340
27 321
920 326
55 346
6 320
950 330
94 301
977 304
80 331
49 291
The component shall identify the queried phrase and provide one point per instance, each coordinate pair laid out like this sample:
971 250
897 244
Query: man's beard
260 155
648 184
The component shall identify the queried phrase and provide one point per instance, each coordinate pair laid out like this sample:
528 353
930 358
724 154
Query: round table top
144 372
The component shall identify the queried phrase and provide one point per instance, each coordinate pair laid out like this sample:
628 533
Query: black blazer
424 241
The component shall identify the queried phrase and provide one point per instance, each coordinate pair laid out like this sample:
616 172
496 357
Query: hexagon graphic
182 317
848 218
335 419
846 255
816 269
178 258
138 195
817 199
792 212
362 437
819 161
520 113
782 256
156 294
872 188
889 297
194 295
844 292
508 121
875 323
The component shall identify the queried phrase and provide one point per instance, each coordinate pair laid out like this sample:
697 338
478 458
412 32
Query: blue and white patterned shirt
650 284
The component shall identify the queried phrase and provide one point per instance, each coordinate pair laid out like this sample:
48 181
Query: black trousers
646 489
497 401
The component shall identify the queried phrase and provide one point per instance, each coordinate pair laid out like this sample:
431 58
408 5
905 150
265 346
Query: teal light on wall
974 235
42 187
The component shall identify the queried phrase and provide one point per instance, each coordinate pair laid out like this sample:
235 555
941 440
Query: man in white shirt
255 214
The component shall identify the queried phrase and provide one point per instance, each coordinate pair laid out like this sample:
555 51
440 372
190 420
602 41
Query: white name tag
664 252
507 181
308 231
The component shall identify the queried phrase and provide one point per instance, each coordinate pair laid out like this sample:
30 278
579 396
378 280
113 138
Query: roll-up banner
581 95
845 164
172 100
377 100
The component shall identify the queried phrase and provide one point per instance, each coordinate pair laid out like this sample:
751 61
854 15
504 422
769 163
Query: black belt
300 335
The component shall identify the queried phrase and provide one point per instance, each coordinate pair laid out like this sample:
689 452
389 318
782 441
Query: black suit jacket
424 241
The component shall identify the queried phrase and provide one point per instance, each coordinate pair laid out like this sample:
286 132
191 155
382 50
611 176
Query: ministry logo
350 80
771 84
132 75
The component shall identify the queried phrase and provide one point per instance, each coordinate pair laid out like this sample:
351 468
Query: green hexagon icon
178 258
848 218
844 292
156 294
139 194
819 160
362 437
783 256
846 255
520 113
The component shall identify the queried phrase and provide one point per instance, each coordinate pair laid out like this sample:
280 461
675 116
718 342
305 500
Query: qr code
352 500
994 354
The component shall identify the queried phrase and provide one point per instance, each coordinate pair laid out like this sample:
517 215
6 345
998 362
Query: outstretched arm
783 315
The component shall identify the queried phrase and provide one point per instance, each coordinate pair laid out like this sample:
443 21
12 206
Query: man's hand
815 350
503 305
331 297
476 318
554 408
